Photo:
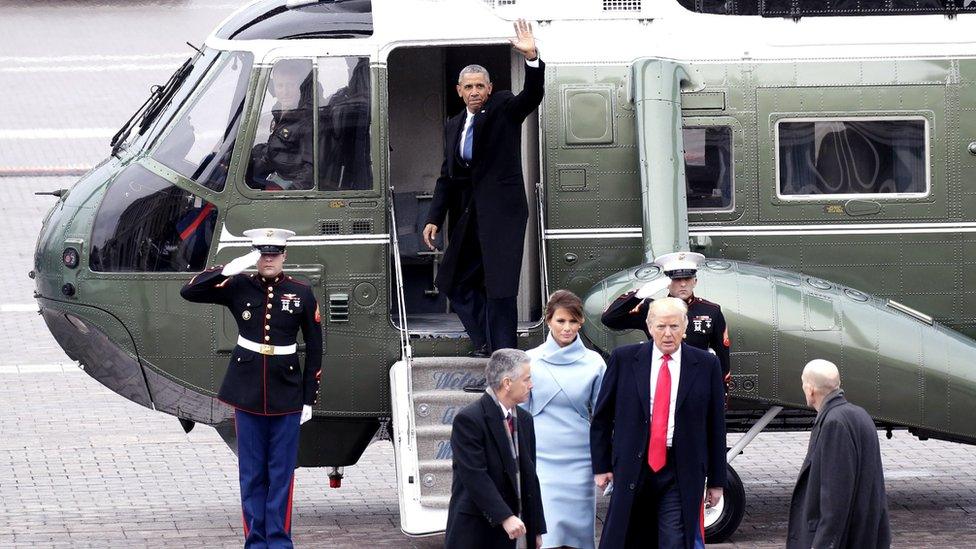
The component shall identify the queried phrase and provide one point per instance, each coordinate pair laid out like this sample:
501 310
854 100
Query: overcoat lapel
493 417
815 431
523 441
689 374
454 131
642 375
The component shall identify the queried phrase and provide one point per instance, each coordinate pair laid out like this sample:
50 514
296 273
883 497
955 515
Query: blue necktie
468 140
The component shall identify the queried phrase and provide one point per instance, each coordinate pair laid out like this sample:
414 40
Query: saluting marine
271 394
706 323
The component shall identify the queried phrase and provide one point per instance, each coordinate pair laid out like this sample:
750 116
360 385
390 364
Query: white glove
238 265
306 414
652 287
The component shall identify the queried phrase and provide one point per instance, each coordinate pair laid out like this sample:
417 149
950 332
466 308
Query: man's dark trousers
267 451
490 322
656 496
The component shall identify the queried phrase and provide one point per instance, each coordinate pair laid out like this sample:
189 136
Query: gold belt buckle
267 349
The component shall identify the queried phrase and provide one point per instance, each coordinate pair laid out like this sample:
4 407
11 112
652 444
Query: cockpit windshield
201 141
164 100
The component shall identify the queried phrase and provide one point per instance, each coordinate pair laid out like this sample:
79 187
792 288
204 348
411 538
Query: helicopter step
426 393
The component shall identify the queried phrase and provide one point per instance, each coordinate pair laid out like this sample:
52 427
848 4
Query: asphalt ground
82 467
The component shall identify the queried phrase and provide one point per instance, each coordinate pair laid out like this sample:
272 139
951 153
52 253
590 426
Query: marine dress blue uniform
566 382
267 388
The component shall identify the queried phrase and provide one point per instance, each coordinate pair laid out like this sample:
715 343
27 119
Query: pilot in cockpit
284 160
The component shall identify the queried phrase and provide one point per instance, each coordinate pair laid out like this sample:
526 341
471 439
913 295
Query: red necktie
657 448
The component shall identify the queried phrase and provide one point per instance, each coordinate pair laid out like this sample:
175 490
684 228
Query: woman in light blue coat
566 379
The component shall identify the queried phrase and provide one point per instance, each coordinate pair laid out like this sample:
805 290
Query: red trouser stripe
247 531
196 222
701 521
291 493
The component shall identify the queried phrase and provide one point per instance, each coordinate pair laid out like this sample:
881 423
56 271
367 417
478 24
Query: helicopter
816 153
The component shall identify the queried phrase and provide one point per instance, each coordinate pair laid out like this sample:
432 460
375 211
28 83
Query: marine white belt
267 349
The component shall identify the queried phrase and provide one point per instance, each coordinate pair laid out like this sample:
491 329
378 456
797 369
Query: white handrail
406 351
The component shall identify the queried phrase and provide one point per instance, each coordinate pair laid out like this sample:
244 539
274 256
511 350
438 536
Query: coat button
270 296
248 304
291 367
631 485
268 316
267 338
269 306
270 288
266 327
238 359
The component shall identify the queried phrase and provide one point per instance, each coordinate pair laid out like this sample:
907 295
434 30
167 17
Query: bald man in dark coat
839 500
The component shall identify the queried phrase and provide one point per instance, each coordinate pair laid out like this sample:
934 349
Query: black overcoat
495 192
483 490
839 500
621 425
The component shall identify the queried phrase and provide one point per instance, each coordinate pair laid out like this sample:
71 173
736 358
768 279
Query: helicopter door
306 165
422 96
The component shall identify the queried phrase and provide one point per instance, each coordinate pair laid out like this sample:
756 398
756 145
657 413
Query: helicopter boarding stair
426 394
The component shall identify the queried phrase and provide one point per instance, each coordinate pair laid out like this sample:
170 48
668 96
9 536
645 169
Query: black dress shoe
480 352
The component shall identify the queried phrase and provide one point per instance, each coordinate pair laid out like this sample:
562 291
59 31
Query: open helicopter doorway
421 97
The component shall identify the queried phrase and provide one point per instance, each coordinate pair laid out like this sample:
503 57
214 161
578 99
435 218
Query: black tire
734 498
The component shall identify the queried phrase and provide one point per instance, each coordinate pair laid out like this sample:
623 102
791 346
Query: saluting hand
524 40
238 265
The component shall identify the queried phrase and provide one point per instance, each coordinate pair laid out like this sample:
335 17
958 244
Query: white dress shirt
674 367
464 132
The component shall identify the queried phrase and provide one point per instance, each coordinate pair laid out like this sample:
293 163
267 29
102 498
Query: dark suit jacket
621 425
483 491
496 191
839 499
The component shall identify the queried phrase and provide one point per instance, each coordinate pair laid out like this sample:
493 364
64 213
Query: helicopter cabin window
708 167
200 145
314 123
147 224
827 158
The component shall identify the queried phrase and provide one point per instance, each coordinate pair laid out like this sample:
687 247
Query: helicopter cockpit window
344 114
201 142
831 157
281 158
288 151
147 224
708 167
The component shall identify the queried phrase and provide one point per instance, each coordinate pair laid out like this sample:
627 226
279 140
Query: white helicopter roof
584 31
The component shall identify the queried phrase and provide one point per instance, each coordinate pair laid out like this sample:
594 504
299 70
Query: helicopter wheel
722 520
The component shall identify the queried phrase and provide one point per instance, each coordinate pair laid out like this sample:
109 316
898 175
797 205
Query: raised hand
524 40
238 265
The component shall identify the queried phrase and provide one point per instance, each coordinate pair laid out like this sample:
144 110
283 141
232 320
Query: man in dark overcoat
658 433
496 502
839 499
482 192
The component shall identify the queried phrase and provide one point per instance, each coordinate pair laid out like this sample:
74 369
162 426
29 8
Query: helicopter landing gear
722 520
